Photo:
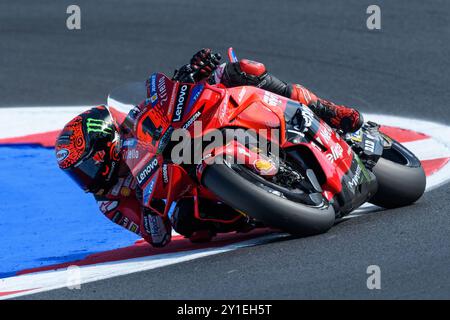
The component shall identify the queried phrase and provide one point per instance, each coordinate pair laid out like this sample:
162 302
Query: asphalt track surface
402 69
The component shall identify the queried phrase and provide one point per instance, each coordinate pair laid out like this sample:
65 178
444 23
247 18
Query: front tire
400 176
271 209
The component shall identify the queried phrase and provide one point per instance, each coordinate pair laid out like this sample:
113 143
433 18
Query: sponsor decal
96 125
271 99
133 227
264 166
193 118
173 216
148 171
147 223
195 94
117 217
162 89
354 182
149 190
165 173
336 153
165 139
325 133
116 189
171 102
369 146
124 222
153 94
61 155
180 103
308 116
154 225
131 154
107 206
129 143
369 143
223 110
113 166
128 181
125 192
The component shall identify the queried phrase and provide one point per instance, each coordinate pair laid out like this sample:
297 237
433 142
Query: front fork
368 143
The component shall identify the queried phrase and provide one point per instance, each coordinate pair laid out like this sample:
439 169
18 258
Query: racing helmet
88 149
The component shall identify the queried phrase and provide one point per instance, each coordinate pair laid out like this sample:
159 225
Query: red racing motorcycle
301 179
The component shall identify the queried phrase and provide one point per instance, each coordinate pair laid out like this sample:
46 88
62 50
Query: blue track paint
44 217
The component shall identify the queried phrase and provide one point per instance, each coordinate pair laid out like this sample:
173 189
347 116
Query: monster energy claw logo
96 125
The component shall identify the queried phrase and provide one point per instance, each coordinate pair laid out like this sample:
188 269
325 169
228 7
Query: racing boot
337 116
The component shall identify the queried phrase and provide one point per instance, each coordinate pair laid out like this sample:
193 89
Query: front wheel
268 206
400 176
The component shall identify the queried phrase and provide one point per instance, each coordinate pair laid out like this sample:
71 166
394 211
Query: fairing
171 105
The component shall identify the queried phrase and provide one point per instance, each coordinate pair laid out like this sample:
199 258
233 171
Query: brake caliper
367 143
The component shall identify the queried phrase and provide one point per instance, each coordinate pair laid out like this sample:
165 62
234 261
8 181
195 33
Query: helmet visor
87 174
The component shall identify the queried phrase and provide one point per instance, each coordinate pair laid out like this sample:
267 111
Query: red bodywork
177 105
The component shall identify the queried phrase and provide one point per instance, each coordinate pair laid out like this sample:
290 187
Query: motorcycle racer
91 149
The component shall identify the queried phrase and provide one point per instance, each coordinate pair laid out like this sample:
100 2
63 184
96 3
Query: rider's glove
184 74
204 62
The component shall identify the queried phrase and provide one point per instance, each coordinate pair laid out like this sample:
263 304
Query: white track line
50 280
437 147
428 149
16 122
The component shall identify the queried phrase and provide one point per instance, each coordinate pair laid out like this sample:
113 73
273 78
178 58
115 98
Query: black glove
204 63
201 66
184 74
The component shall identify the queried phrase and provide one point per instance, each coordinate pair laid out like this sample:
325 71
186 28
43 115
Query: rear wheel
400 176
275 205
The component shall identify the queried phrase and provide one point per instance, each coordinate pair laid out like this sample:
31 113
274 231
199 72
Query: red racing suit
122 205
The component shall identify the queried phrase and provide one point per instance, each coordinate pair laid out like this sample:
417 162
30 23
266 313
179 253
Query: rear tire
273 210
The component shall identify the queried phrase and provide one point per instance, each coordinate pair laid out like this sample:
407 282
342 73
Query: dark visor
86 174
